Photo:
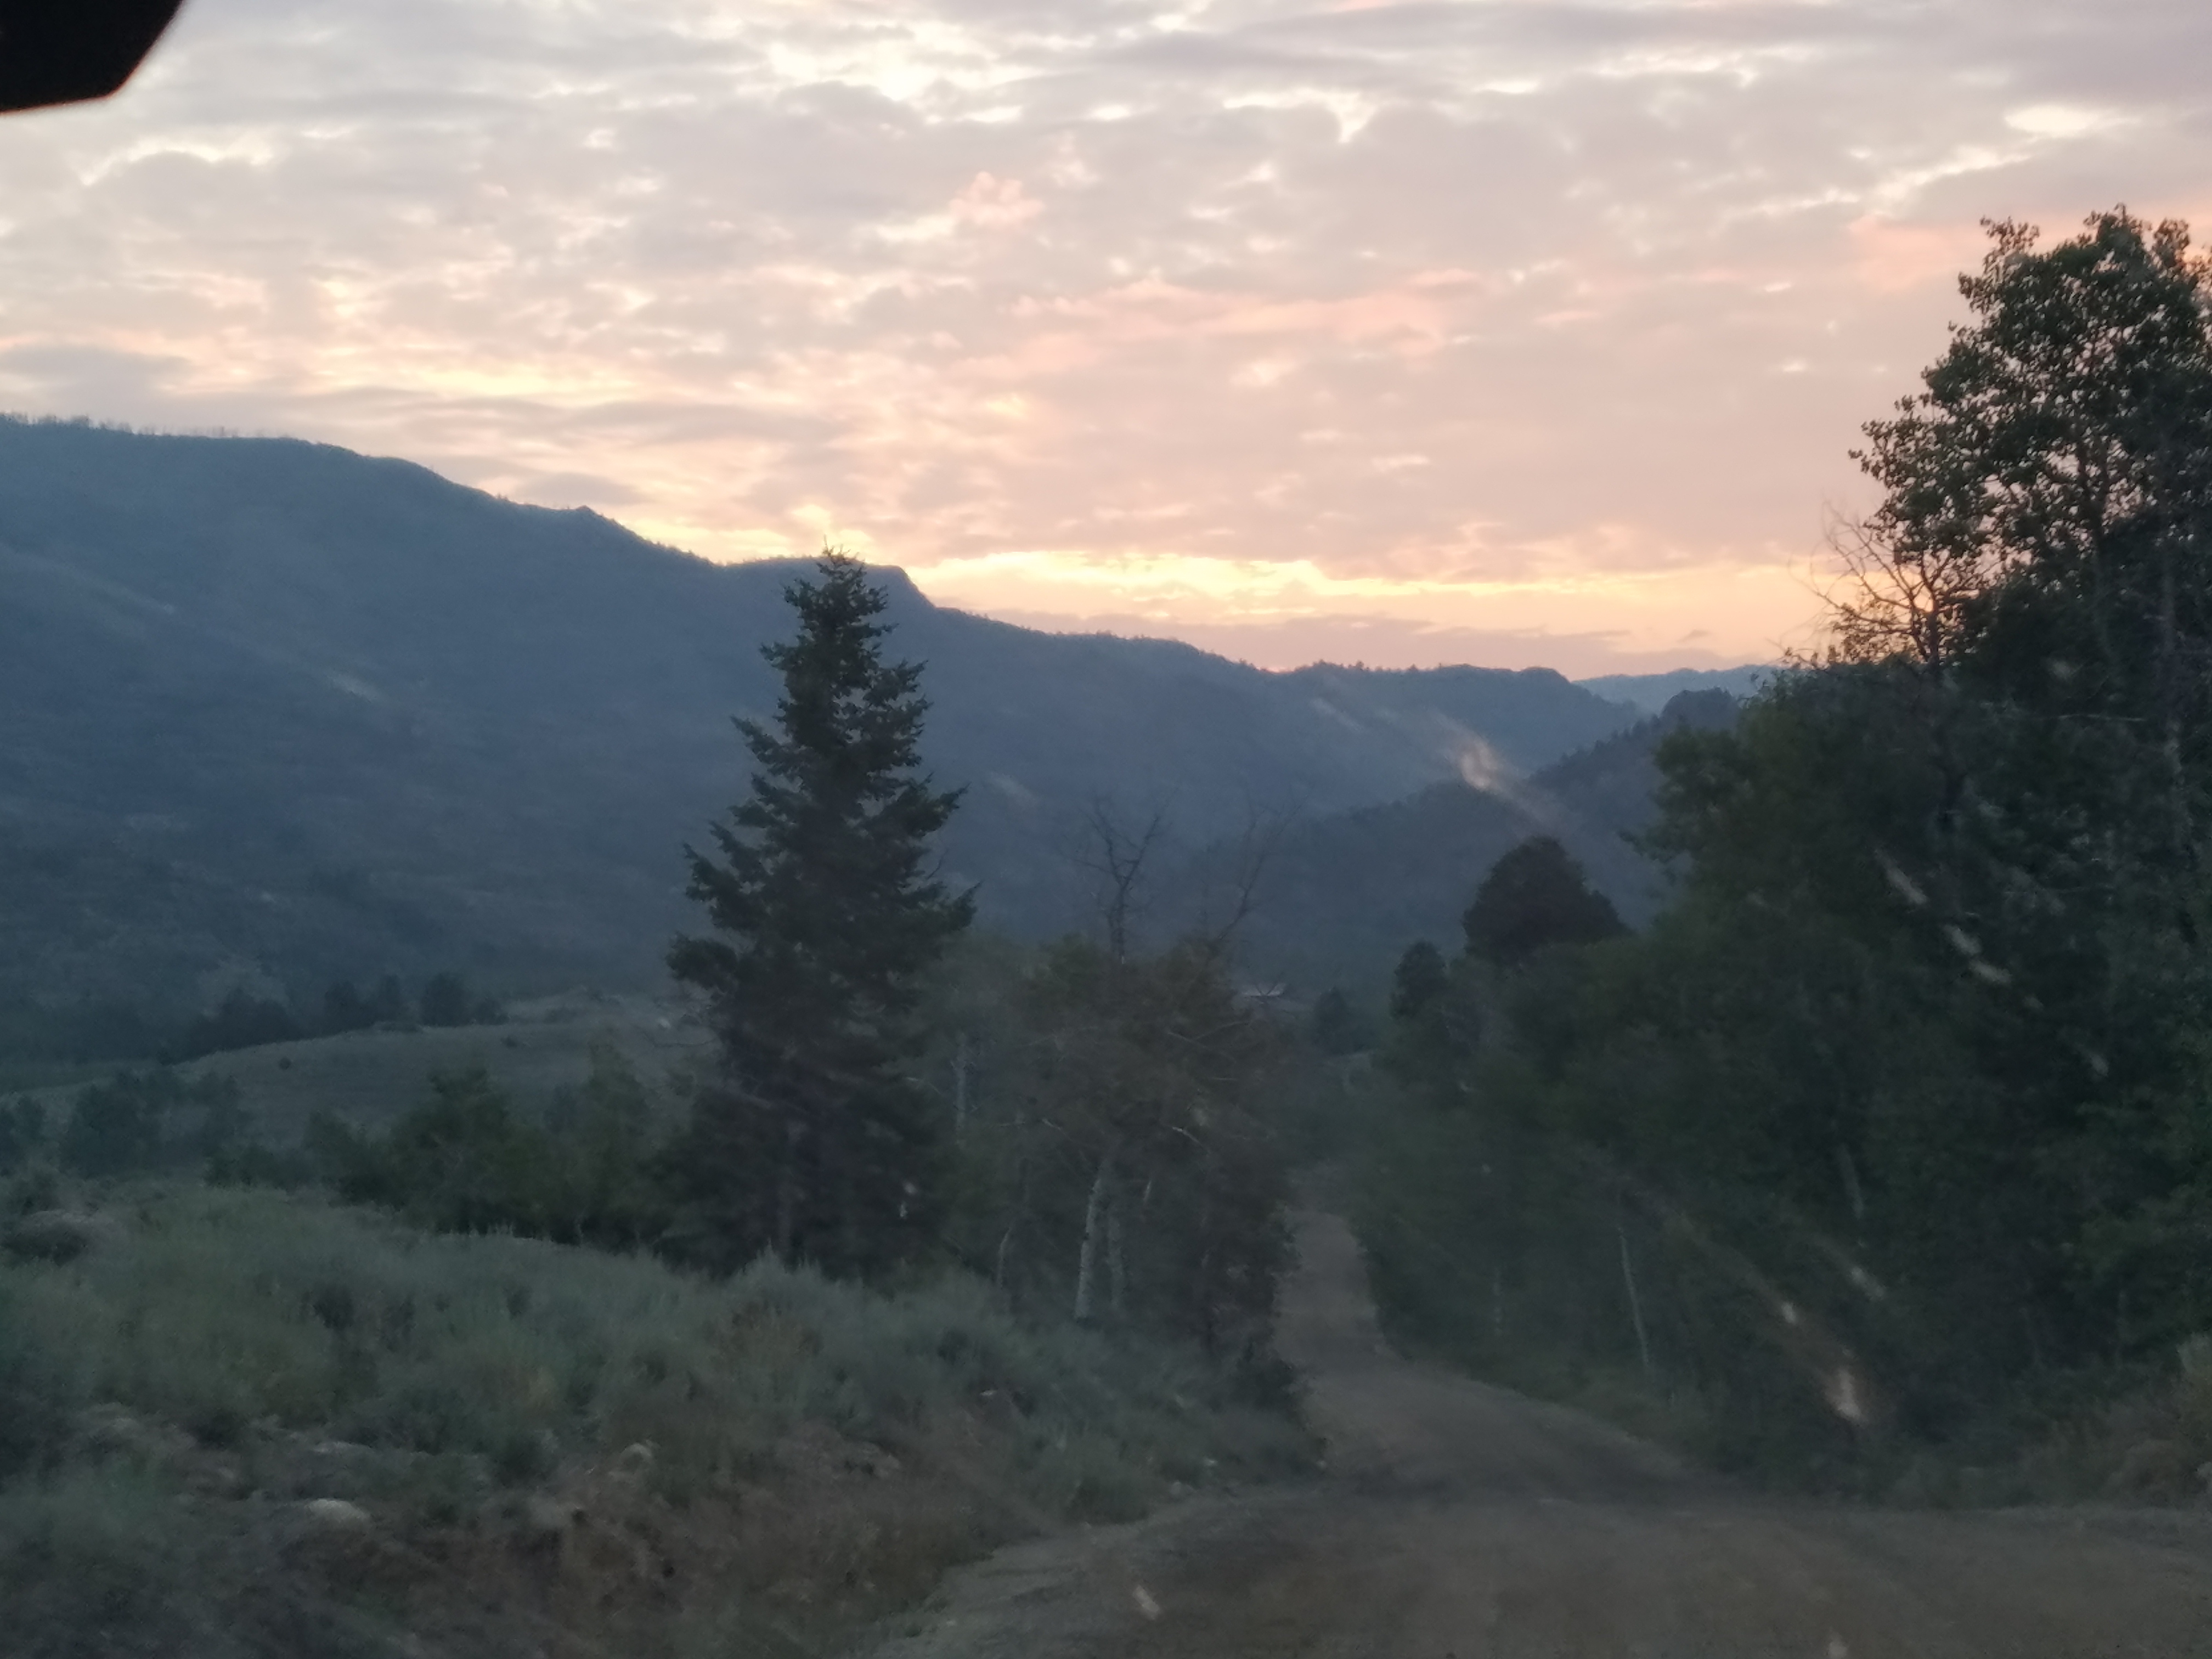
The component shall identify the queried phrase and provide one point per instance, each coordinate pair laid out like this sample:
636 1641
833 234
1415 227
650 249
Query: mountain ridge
281 712
1343 894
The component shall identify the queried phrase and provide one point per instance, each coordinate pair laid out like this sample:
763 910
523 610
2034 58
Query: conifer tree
810 1141
1536 896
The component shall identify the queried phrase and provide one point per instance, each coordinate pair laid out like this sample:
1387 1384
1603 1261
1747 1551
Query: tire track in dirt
1459 1520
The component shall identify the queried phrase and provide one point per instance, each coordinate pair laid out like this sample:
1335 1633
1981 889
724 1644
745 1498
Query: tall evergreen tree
1536 896
1420 979
810 1141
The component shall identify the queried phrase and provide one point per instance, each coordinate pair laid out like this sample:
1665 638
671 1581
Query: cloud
1461 310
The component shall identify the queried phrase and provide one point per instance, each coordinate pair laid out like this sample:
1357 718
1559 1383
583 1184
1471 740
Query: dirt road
1462 1522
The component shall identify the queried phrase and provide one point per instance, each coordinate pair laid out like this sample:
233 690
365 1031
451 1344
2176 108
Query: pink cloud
1421 305
1893 258
993 203
1559 308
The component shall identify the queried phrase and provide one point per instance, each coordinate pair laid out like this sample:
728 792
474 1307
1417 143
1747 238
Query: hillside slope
1343 894
1653 692
279 710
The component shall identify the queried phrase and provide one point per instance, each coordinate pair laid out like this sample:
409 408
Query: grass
366 1079
521 1425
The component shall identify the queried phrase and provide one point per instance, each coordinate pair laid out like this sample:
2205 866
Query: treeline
132 1123
1894 1132
1101 1148
94 1032
243 1020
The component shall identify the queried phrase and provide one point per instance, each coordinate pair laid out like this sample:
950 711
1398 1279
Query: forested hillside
1880 1157
1653 692
276 708
1338 894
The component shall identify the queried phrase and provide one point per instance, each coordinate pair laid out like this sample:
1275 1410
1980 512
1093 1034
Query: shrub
466 1161
32 1401
136 1121
242 1021
445 1000
91 1557
227 1307
22 1133
295 1350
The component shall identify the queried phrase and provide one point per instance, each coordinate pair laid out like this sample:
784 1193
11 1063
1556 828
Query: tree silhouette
1536 896
811 1141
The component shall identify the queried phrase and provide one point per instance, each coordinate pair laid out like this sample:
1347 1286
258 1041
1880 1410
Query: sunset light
1509 333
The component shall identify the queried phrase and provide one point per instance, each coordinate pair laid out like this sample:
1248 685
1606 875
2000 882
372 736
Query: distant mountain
1343 894
278 712
1652 692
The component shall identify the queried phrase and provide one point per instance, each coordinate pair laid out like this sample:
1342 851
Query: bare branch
1117 855
1256 846
1892 601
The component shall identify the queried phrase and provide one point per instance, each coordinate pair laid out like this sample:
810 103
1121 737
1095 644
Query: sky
1506 331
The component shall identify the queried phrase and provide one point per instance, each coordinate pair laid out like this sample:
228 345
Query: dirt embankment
1462 1521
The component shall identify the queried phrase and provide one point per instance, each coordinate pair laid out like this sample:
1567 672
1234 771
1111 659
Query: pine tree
446 1001
1420 980
1536 896
1336 1027
811 1142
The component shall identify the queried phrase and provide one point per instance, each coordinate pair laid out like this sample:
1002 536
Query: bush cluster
466 1161
237 1313
220 1348
131 1123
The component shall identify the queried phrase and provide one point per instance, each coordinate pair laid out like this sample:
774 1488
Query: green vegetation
594 1364
1119 1159
1105 1151
243 1422
811 1141
346 1009
1534 898
243 1020
466 1161
1343 892
1883 1151
41 1044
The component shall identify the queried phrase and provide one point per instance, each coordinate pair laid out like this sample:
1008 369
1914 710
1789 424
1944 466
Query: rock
632 1467
335 1515
551 1518
110 1428
57 1236
218 1478
870 1459
2152 1468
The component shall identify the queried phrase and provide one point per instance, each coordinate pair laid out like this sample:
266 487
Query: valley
280 715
